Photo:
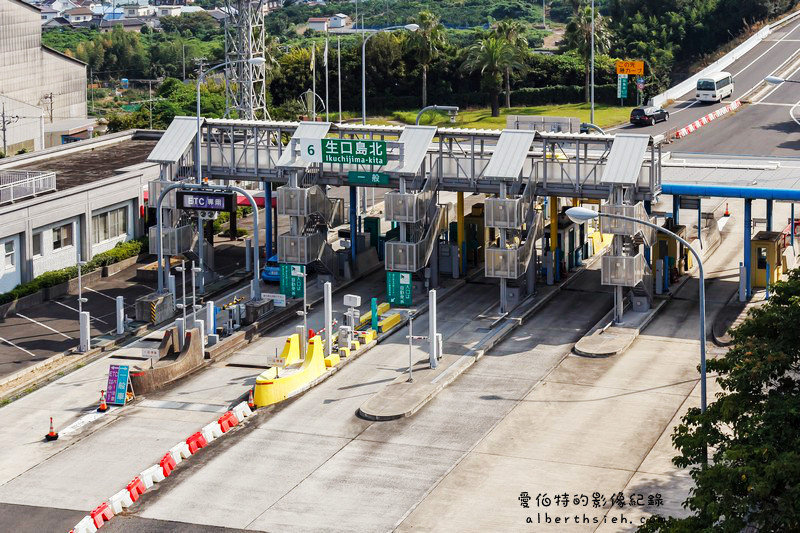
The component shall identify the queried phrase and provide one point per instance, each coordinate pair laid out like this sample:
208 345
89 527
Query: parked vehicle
271 271
714 88
648 116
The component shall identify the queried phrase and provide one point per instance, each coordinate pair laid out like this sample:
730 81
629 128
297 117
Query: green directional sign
292 281
398 287
355 177
622 86
354 151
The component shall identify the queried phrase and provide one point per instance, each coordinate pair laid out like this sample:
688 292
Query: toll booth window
761 255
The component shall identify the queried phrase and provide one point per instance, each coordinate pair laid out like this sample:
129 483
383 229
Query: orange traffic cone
52 435
250 403
727 213
103 406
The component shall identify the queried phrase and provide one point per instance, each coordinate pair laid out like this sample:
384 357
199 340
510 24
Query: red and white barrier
158 472
702 121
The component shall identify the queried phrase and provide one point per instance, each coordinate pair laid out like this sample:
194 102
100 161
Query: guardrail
18 184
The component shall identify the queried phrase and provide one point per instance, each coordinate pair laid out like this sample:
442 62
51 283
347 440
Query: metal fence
18 184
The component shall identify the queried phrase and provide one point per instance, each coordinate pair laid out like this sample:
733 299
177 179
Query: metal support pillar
248 246
328 303
268 219
748 215
462 246
769 215
700 222
85 331
676 208
432 337
554 235
353 224
791 225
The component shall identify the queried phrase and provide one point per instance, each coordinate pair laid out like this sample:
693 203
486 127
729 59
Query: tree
752 429
578 37
514 34
491 56
427 43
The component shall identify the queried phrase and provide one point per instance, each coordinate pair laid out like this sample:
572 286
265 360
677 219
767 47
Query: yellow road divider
271 389
290 354
366 317
389 322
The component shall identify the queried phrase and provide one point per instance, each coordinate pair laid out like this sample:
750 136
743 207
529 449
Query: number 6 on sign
311 150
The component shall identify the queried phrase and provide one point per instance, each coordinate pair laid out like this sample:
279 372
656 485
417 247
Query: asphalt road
748 72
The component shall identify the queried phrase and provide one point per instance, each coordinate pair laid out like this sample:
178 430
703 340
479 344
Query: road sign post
399 288
622 87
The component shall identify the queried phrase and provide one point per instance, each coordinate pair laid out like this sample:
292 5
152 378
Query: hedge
566 94
122 250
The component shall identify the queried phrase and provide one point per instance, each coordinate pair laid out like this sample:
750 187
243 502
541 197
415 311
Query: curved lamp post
408 27
582 214
254 61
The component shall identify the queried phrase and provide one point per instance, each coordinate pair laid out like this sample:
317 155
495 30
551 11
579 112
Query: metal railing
18 184
512 263
627 271
413 256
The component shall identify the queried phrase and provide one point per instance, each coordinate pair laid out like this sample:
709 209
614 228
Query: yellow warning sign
630 67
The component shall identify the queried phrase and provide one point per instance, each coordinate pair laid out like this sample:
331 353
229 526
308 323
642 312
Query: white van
714 88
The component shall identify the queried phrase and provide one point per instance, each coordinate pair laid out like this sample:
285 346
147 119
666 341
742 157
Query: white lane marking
43 325
18 347
791 113
100 293
776 104
79 423
683 108
73 309
779 41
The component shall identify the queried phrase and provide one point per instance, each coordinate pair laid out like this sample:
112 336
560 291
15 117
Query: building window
62 236
9 250
110 225
37 244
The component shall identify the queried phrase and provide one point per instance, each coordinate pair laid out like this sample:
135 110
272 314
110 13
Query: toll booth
766 255
572 242
475 234
677 259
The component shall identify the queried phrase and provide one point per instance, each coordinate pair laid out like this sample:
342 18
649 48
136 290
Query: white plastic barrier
241 411
86 525
212 431
121 500
180 452
154 474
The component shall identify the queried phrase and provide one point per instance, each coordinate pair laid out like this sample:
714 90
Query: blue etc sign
208 201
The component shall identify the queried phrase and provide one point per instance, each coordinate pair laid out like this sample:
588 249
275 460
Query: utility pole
49 96
4 123
183 61
150 100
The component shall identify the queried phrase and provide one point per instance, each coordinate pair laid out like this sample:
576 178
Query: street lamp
254 61
452 110
775 80
582 214
409 27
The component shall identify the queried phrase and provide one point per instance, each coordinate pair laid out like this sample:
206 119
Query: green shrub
122 250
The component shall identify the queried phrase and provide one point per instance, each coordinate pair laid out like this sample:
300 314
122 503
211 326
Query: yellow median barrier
366 317
366 336
344 352
270 390
332 360
290 354
389 322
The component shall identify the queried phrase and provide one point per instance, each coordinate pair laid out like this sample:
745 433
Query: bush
121 251
567 94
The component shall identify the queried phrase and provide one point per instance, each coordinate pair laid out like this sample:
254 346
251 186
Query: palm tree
491 56
513 32
578 36
427 42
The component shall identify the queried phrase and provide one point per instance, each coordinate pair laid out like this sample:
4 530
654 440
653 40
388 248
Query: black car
648 116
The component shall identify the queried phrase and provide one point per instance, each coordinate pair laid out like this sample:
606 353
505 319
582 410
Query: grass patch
605 116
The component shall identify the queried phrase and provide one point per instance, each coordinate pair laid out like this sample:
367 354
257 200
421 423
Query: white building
47 13
318 23
95 204
339 20
136 10
35 80
169 11
78 15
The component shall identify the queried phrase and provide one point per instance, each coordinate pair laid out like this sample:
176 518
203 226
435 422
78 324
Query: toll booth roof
510 154
767 236
416 140
625 159
175 141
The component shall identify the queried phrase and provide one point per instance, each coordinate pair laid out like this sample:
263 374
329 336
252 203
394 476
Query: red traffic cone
250 403
103 406
727 213
52 435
